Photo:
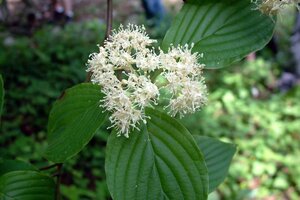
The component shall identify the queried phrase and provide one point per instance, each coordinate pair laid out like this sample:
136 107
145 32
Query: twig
109 15
47 167
58 180
56 174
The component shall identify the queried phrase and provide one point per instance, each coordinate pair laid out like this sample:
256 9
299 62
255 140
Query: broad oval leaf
1 95
73 121
26 185
224 31
218 156
14 165
161 161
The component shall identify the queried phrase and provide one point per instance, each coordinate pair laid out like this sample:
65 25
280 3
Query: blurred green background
245 107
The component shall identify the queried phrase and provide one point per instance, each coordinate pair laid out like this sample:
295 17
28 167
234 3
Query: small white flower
126 50
271 7
124 119
193 95
180 59
126 96
147 60
185 82
143 90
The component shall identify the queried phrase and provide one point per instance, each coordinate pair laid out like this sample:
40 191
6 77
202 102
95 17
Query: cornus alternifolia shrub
158 158
123 69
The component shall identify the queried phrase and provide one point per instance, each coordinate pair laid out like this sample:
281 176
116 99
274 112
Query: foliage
38 69
218 156
1 94
224 31
238 111
265 128
35 71
154 161
66 135
14 165
26 185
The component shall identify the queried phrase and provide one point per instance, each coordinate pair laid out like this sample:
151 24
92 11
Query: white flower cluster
271 7
185 81
122 69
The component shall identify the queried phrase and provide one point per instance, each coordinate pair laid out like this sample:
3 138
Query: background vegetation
245 108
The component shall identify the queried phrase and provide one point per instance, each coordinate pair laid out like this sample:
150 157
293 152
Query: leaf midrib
154 163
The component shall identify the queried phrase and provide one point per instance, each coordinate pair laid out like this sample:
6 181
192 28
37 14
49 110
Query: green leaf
1 94
73 121
26 185
161 161
14 165
224 31
218 156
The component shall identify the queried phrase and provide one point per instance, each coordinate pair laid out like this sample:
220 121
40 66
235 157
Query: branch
47 167
109 15
58 180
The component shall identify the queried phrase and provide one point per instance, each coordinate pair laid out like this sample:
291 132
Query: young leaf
218 156
73 121
224 31
161 161
14 165
26 185
1 94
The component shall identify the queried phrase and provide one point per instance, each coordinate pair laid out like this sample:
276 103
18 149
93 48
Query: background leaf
26 185
73 121
1 94
224 31
218 156
162 161
14 165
